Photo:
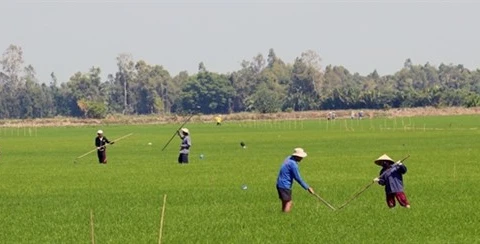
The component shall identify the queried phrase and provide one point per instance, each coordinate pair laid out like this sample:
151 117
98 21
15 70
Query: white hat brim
300 154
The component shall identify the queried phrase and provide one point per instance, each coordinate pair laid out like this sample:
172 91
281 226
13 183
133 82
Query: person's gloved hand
311 190
112 142
376 180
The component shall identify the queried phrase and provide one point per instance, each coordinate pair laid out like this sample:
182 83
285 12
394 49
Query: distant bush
97 110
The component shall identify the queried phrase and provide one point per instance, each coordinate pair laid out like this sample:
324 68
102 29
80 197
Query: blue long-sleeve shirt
288 172
392 178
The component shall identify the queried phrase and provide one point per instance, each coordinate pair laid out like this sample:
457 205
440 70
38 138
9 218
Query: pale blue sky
70 36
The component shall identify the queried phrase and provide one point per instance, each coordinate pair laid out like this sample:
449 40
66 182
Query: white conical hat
384 157
299 152
185 130
100 132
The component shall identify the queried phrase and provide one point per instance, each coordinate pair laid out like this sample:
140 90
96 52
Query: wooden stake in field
92 227
161 219
346 126
454 172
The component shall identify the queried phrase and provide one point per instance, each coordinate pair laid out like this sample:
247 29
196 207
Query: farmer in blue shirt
184 135
391 177
288 172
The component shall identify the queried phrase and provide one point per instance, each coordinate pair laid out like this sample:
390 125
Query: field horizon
120 119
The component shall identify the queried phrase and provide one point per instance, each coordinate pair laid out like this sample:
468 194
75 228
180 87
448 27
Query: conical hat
384 157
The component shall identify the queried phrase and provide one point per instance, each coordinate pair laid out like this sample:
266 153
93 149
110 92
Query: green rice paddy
47 198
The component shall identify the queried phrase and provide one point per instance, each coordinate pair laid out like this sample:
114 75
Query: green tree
83 86
207 93
243 82
302 91
12 63
178 82
121 86
151 89
265 100
12 82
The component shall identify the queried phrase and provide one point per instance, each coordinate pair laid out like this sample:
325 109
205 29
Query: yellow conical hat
384 157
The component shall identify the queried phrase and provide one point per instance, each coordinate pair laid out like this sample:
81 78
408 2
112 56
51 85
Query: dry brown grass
172 118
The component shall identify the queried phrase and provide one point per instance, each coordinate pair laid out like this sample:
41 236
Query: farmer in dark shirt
391 176
101 142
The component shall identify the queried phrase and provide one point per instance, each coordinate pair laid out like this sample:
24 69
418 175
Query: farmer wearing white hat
184 135
288 172
391 177
101 142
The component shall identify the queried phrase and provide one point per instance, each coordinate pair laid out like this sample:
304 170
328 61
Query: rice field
47 197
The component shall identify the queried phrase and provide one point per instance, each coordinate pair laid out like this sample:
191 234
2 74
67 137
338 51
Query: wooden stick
93 150
83 155
118 139
161 219
175 133
356 195
325 202
92 227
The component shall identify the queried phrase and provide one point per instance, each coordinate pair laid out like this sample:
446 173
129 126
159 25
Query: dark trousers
102 156
183 158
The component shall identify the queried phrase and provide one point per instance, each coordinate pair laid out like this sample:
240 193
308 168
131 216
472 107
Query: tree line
264 85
